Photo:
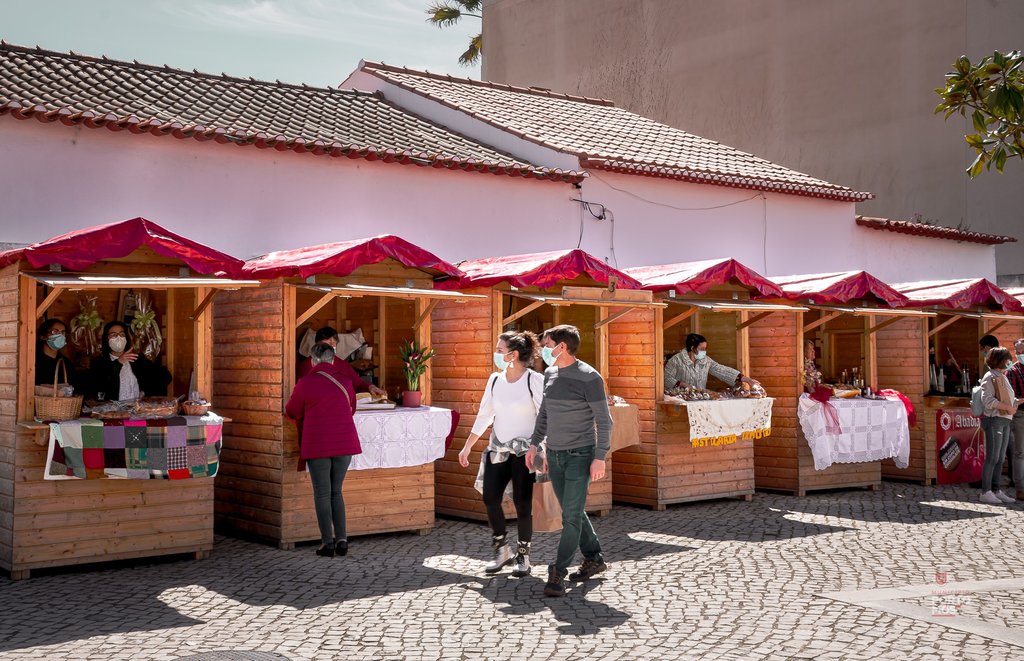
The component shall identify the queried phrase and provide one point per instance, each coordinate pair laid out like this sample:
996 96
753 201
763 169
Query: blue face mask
701 355
499 360
1020 358
548 354
56 342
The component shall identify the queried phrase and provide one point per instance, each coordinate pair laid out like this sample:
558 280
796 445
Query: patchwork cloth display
401 437
174 448
872 430
727 418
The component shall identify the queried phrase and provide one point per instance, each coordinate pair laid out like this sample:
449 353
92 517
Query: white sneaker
1006 498
990 498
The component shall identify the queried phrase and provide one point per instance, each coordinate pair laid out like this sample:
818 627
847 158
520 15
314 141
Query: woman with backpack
511 401
999 405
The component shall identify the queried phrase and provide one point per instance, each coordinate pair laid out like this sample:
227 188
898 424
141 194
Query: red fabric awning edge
839 288
344 257
541 270
80 249
699 277
959 294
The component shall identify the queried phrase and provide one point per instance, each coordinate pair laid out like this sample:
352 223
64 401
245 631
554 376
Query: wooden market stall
846 312
534 292
671 465
94 275
378 291
936 361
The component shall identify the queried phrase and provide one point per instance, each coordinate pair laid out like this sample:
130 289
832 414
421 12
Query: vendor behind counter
52 340
692 365
120 372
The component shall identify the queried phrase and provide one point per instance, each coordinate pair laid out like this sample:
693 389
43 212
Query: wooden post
203 332
287 339
382 352
743 344
871 351
170 344
603 363
423 308
26 356
659 354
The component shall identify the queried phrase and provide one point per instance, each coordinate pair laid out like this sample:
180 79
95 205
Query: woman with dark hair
511 401
1000 404
322 407
692 366
52 339
119 372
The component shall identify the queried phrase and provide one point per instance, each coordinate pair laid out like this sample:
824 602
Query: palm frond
472 54
443 15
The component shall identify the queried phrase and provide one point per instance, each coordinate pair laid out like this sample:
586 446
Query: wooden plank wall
777 364
902 365
720 330
687 474
633 365
248 387
8 407
463 337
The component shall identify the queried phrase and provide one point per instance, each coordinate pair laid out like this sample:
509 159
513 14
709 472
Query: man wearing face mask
575 419
52 339
1016 376
692 366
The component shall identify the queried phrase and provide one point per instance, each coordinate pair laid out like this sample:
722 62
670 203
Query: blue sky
318 42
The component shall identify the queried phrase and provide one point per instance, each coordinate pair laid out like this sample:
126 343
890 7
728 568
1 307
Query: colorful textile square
175 448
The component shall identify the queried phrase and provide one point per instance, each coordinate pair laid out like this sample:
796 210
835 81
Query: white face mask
117 344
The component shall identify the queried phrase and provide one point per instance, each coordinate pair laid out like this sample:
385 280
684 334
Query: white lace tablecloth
724 418
872 430
401 437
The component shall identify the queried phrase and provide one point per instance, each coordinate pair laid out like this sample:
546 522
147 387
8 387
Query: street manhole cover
235 655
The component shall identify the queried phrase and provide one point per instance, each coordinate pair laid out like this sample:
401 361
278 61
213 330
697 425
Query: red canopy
542 269
698 277
959 294
344 257
839 288
81 249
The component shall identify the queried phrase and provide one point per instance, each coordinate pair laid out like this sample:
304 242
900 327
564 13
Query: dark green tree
993 91
446 13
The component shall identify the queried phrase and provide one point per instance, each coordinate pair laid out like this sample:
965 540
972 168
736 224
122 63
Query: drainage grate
235 655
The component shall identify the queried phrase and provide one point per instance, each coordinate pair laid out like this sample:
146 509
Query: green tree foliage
993 91
447 13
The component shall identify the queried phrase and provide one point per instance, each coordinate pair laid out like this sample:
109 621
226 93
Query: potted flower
414 364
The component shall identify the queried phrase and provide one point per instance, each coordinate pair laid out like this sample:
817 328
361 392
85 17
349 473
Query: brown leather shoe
1020 495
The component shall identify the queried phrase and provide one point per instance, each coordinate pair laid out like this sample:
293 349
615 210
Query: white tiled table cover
401 437
871 430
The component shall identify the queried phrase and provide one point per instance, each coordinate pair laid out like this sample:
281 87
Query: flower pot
412 398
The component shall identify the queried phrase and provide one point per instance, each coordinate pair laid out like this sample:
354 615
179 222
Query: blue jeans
570 477
997 437
327 475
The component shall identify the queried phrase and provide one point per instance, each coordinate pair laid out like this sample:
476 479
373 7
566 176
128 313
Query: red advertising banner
960 444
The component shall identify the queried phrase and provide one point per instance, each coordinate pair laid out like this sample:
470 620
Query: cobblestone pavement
718 580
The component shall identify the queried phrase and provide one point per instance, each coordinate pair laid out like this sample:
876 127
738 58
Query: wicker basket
58 408
193 408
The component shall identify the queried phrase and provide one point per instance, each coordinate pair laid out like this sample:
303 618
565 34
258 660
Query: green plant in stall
414 362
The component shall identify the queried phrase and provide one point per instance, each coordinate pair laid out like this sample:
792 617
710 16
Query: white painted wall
775 234
248 201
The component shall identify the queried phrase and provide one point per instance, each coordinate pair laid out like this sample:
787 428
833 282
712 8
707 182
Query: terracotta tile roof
932 231
100 92
606 137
